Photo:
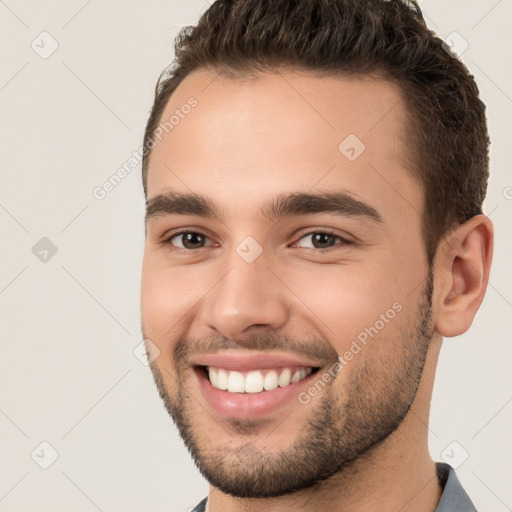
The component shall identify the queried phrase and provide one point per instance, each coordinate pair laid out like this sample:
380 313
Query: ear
462 265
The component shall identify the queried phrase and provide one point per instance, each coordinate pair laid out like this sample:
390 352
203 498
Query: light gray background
69 325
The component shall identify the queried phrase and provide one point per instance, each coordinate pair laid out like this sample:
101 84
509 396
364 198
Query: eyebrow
339 203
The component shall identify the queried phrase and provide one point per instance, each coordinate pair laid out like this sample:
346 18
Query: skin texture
360 443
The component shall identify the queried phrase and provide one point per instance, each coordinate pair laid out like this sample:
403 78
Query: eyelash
344 241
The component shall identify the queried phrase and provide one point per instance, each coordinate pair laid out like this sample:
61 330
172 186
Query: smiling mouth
254 381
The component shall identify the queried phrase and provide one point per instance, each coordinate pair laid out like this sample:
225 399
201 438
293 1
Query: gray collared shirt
453 497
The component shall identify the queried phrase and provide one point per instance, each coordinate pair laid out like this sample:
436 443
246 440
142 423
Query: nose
248 297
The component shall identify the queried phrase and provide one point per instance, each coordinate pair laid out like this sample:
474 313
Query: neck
398 474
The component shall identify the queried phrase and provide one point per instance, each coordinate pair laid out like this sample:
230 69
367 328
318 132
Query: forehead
283 132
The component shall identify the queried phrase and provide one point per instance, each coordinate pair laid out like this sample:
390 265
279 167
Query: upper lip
251 361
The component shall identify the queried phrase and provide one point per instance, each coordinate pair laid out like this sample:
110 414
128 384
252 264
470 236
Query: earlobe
461 272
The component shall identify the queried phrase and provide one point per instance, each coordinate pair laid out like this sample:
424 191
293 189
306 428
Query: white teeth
254 381
236 382
222 379
270 381
284 378
214 377
296 376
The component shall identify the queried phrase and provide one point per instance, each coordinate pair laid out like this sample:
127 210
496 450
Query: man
314 174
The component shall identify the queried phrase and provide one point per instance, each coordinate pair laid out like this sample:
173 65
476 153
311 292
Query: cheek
164 298
348 302
171 296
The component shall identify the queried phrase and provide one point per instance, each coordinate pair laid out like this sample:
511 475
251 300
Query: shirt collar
453 497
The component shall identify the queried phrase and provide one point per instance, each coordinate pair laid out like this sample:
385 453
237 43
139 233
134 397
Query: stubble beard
341 427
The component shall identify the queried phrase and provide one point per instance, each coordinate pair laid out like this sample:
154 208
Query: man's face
337 283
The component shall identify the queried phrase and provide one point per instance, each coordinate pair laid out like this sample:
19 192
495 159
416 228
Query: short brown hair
447 127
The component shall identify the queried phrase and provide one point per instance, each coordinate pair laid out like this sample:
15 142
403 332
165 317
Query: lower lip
249 405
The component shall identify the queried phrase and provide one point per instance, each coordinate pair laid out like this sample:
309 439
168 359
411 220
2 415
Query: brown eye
320 240
192 240
188 240
323 240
